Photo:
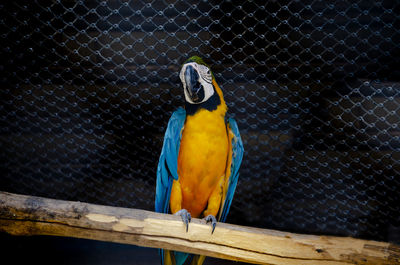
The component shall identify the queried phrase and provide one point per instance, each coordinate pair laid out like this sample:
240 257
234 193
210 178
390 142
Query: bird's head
200 88
196 77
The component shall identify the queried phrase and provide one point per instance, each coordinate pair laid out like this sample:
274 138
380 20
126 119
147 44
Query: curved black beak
193 85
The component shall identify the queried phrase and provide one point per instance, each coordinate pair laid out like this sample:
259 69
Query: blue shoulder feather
237 155
167 168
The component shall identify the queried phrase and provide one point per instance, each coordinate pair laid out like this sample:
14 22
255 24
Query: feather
168 162
167 171
237 156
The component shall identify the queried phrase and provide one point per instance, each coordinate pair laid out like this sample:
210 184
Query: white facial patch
205 79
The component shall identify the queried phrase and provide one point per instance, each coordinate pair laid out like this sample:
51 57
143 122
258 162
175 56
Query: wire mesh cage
87 88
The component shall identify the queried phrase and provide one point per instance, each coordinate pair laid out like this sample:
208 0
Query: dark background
87 88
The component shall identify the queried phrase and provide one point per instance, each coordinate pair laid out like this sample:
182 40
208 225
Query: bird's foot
186 217
211 218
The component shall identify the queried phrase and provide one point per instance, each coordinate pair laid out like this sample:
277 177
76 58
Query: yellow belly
202 159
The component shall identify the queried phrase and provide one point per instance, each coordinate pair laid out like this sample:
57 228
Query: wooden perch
28 215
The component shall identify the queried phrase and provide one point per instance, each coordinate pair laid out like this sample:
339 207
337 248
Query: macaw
199 163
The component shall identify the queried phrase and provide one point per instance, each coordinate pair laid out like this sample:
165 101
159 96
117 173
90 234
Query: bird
202 151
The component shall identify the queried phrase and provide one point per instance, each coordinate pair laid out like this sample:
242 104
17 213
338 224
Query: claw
211 218
186 217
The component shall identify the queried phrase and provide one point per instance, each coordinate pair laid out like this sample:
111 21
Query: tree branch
28 215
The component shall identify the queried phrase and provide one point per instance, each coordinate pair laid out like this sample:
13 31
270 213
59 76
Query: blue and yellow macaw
199 163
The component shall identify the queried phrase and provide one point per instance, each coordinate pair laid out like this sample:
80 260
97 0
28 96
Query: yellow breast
202 157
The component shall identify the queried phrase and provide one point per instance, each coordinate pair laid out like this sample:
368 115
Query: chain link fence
87 88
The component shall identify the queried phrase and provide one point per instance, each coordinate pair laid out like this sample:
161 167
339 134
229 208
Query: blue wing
237 155
167 168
